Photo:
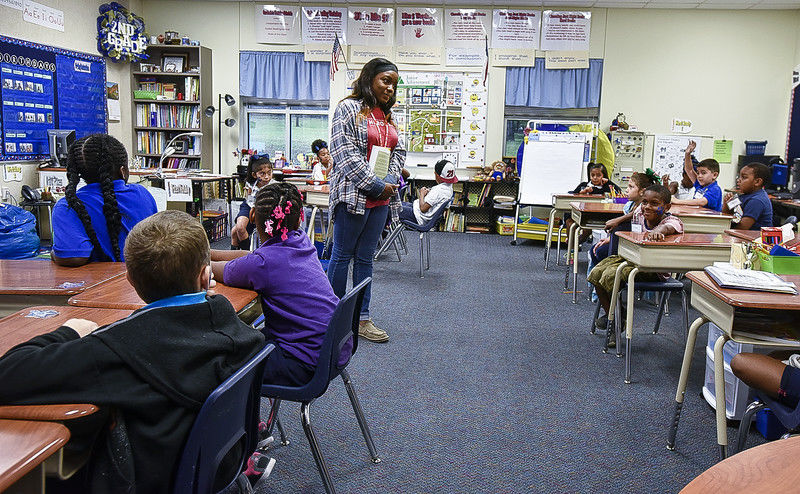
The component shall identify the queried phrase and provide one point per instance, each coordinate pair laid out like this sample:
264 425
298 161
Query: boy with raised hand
752 209
651 217
151 371
707 192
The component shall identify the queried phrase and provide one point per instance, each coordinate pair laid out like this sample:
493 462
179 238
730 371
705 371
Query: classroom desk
729 309
675 254
42 282
33 321
119 294
770 467
586 215
24 445
561 202
318 197
697 219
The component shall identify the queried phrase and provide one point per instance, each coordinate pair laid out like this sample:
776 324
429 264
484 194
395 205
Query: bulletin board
443 113
44 87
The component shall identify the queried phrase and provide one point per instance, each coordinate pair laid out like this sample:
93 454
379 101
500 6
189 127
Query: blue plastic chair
229 417
342 327
424 239
788 417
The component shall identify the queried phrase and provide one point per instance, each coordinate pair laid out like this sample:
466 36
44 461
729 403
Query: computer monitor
60 141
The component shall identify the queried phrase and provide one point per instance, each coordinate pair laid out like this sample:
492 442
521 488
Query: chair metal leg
362 422
273 420
664 296
315 450
421 255
549 239
428 250
618 329
403 242
596 315
575 244
389 240
685 308
744 425
397 251
666 306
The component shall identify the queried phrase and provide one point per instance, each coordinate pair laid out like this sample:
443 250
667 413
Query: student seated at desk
151 371
598 183
324 163
259 174
429 200
91 224
707 192
296 296
754 209
651 217
636 187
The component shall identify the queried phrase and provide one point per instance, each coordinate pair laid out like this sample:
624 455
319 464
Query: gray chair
424 239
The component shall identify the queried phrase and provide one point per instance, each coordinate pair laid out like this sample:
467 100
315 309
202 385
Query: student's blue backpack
18 238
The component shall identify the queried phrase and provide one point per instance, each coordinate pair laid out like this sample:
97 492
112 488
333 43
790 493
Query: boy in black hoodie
151 371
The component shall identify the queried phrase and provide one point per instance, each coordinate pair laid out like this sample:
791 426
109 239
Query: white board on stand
550 165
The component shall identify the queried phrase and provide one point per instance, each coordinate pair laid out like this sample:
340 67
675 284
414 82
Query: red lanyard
383 138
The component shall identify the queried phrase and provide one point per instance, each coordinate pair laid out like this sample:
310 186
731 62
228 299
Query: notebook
745 279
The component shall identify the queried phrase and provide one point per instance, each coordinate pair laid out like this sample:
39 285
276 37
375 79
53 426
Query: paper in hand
379 159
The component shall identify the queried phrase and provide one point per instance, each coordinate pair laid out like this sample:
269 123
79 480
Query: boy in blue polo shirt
752 209
707 192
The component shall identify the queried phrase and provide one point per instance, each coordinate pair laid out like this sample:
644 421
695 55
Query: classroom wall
726 70
80 34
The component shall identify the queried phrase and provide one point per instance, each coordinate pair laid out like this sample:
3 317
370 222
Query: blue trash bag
18 238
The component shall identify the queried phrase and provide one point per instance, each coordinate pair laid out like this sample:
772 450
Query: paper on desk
745 279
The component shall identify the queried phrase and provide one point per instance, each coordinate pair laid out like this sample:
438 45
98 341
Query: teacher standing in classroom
363 188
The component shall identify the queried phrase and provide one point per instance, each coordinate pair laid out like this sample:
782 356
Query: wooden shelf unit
195 56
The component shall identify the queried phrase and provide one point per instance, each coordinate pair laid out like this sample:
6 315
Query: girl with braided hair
296 297
91 223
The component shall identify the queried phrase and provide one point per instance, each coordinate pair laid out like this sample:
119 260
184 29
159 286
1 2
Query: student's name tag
379 158
636 228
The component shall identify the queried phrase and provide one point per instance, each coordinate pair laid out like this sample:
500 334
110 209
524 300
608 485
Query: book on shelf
153 142
727 276
174 163
161 115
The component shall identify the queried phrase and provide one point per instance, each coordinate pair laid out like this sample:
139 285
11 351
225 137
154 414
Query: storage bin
737 394
777 264
505 225
214 224
753 148
768 425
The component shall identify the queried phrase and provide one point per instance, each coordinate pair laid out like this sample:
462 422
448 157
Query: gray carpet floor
491 382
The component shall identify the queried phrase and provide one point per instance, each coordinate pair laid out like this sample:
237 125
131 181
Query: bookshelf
473 209
183 97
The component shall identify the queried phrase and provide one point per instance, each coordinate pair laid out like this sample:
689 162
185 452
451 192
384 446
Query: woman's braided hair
96 159
278 209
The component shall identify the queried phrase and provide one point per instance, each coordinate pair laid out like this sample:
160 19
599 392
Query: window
288 129
517 118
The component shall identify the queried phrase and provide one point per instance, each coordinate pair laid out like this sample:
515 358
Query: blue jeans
355 237
407 213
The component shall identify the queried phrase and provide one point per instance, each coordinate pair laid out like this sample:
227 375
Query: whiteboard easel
551 162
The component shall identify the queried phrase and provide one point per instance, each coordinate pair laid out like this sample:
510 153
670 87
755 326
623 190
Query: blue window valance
567 88
283 76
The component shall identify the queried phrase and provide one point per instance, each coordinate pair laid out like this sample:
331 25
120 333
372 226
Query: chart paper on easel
549 167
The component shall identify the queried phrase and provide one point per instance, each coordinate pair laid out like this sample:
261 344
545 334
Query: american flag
486 64
335 53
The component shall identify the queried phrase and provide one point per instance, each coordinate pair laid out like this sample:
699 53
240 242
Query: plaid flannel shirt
351 179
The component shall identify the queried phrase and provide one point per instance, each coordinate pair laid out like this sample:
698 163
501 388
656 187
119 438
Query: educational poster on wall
278 24
473 121
42 15
668 154
37 84
515 37
12 173
566 31
419 35
466 33
555 60
112 102
370 33
56 182
179 190
322 24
